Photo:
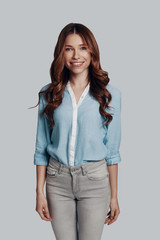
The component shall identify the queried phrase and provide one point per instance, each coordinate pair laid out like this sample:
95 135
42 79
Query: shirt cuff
114 159
41 159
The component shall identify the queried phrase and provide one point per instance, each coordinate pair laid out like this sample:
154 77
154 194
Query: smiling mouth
77 64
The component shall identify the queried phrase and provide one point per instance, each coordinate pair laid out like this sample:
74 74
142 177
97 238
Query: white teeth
76 63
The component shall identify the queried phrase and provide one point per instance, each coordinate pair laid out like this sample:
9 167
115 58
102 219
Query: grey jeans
78 199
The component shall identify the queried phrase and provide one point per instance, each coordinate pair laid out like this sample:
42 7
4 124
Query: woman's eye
84 48
67 49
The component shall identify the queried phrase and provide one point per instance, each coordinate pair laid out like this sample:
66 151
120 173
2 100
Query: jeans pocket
98 173
51 172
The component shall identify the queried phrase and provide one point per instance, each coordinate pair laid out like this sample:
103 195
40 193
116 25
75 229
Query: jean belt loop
83 170
60 168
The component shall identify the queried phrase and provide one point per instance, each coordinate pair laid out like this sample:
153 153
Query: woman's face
77 57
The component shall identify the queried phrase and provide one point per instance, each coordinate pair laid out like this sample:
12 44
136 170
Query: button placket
74 120
73 136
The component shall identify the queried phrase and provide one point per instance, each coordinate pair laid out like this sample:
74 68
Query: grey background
128 39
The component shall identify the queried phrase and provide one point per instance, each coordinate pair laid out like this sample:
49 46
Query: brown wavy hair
59 74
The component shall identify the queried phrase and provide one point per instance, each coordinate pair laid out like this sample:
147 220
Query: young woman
78 139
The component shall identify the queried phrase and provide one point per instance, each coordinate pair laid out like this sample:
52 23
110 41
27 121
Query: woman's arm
114 206
41 202
112 140
41 176
41 157
113 178
41 160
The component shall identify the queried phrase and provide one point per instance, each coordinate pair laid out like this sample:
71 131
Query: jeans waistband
84 167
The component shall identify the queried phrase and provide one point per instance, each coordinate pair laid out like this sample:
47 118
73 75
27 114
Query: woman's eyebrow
72 46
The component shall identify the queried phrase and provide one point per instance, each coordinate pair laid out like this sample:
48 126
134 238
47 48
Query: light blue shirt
78 135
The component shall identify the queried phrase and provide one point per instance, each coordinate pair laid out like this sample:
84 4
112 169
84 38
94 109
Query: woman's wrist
39 191
114 194
114 197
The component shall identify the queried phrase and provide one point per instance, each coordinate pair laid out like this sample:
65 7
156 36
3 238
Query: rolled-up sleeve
113 135
41 157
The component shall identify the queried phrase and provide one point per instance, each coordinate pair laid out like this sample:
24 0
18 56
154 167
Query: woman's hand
114 211
42 207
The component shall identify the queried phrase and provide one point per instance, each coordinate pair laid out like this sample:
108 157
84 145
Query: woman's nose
76 54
